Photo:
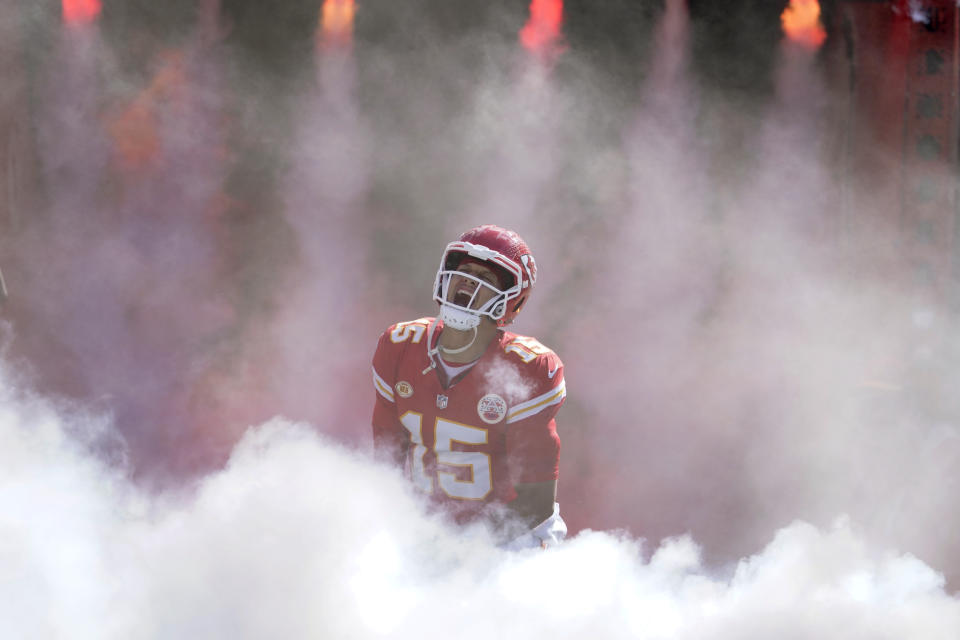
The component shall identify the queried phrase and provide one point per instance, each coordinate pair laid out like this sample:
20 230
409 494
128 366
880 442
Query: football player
466 407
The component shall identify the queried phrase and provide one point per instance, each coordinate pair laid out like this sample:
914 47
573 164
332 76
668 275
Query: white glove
548 533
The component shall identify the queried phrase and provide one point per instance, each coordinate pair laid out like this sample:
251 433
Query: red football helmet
506 253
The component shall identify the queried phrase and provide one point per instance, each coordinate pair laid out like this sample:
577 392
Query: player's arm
536 522
390 440
533 448
534 502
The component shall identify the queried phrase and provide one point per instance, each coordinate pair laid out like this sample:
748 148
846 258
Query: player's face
462 288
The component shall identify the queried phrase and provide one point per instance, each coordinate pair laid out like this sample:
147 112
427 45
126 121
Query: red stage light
801 23
80 11
542 32
336 22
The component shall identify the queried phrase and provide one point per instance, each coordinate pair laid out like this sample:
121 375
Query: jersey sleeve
533 445
389 437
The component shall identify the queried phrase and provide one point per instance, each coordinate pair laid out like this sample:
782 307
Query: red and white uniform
469 440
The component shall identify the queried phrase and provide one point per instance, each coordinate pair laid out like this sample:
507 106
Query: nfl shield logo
441 401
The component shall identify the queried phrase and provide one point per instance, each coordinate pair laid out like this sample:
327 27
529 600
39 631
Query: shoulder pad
528 349
412 331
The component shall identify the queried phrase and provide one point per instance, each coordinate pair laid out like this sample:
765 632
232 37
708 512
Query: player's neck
451 340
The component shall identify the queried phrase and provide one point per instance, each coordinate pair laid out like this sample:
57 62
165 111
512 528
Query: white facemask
463 317
458 318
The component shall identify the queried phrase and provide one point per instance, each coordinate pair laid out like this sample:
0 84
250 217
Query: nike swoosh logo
552 372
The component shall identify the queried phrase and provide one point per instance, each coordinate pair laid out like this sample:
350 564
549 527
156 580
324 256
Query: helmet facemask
459 312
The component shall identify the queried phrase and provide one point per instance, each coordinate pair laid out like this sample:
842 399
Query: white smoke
297 537
508 377
918 12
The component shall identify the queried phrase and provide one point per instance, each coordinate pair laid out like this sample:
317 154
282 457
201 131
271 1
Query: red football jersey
469 440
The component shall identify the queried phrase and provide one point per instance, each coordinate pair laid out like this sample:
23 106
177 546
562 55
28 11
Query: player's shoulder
408 332
400 341
530 351
541 369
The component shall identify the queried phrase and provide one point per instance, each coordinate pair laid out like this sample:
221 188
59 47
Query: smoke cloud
301 537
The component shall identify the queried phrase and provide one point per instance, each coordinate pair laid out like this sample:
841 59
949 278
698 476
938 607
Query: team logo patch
530 266
492 408
404 389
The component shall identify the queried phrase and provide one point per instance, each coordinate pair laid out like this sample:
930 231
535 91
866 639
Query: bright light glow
80 11
336 22
801 23
542 31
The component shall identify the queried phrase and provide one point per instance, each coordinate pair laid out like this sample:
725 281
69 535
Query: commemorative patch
404 389
492 408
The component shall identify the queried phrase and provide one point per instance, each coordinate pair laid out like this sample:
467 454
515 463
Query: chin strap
459 349
433 363
431 352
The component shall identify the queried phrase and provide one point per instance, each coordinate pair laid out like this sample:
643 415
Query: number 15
446 433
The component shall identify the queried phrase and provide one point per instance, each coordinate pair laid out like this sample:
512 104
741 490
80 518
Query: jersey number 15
480 481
